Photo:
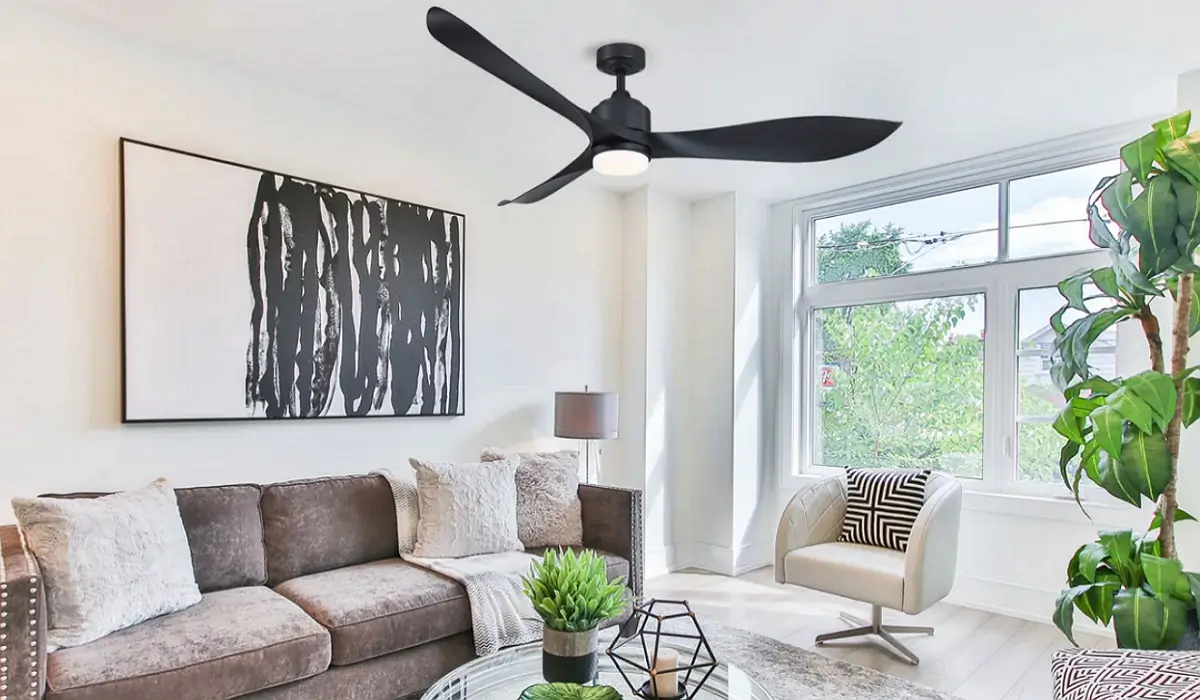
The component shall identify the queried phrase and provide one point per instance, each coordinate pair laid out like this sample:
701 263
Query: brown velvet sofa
304 599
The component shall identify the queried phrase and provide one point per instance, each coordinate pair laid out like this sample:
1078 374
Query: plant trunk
1153 337
1179 353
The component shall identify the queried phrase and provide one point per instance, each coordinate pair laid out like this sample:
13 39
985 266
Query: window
1037 399
901 384
922 313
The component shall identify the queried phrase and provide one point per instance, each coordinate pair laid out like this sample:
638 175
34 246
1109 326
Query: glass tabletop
502 676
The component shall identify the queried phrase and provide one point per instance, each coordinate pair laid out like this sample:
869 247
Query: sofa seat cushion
380 607
231 643
616 565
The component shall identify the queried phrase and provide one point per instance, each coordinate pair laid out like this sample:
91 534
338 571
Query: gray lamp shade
583 415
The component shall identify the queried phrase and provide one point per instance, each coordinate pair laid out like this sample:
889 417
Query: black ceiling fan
620 141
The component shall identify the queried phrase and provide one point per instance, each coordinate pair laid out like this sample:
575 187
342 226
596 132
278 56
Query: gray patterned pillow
109 562
549 513
466 509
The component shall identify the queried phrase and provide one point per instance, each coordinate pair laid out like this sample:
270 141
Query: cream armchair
808 554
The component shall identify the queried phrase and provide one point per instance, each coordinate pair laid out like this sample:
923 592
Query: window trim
802 295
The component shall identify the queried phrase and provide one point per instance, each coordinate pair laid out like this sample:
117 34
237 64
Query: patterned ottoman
1091 674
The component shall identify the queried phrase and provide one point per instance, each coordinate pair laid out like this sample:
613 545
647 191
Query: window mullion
1000 396
1002 218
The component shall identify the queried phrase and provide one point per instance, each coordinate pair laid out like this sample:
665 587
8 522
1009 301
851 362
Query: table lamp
585 415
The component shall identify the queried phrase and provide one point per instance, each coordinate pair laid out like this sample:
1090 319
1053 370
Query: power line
936 239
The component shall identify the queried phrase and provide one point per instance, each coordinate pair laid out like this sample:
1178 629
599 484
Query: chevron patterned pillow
1095 674
882 506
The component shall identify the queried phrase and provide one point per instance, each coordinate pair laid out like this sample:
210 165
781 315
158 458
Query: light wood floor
973 654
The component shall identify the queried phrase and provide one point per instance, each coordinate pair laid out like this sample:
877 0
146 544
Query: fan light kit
620 141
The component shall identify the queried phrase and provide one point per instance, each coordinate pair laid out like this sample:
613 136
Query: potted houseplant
573 596
1122 433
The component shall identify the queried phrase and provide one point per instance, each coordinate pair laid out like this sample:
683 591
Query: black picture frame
460 271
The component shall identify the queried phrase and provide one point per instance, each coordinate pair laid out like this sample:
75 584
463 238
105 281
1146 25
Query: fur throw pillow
549 513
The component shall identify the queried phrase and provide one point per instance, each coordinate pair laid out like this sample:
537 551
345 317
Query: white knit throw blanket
501 615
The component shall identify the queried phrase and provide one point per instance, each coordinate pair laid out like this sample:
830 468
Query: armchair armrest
813 516
23 622
932 554
612 521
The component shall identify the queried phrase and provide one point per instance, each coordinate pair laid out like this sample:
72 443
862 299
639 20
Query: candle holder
652 623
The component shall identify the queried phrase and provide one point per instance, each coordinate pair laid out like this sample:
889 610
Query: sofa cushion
315 525
383 606
230 643
224 532
616 565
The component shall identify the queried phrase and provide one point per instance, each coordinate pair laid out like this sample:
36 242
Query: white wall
542 287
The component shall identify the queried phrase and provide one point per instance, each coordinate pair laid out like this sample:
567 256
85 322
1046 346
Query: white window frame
999 281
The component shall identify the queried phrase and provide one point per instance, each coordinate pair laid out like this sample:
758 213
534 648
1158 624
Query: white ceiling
967 77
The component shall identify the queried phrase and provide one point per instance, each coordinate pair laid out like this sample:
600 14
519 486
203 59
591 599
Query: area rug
791 673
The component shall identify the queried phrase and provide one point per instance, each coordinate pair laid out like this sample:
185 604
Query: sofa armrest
22 618
612 522
813 516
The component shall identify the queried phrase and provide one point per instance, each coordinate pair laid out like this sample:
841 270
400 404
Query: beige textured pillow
110 562
466 509
549 513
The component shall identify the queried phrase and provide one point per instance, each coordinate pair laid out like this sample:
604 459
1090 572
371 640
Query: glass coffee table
502 676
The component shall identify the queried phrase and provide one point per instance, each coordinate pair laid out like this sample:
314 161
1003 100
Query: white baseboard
721 560
1014 600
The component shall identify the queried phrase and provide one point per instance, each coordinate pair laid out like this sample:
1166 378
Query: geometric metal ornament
651 624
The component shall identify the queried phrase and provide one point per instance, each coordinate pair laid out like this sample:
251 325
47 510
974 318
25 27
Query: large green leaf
1119 545
1090 556
1180 516
1133 408
1076 341
1098 231
1064 609
1067 424
1108 430
1143 621
1145 462
569 691
1117 198
1071 289
1183 156
1068 452
1187 198
1157 391
1173 127
1191 400
1129 276
1105 279
1162 575
1153 216
1139 156
1116 481
1097 386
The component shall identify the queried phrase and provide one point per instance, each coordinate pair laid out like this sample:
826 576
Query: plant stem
1179 352
1153 336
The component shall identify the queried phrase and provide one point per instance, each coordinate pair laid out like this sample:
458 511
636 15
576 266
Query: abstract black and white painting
248 293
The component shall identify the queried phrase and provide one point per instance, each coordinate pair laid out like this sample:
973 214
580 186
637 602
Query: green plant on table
571 592
569 691
1122 434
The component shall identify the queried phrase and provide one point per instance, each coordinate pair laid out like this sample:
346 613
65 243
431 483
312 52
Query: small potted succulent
573 596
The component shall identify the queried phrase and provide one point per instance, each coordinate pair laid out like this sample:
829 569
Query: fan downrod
620 59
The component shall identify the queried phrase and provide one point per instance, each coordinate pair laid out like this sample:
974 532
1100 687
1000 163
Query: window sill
1103 515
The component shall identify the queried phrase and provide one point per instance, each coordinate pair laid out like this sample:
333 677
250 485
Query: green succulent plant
571 592
569 691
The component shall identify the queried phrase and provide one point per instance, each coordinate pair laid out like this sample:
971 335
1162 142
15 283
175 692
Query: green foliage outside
571 592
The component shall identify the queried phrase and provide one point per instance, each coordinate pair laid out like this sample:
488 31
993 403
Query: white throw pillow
403 481
108 563
549 513
467 508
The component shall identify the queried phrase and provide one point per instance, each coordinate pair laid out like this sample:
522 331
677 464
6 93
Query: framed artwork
250 294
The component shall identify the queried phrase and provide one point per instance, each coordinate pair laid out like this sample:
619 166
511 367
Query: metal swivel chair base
879 629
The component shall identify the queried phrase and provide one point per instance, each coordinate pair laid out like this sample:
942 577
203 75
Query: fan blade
462 39
559 180
794 140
